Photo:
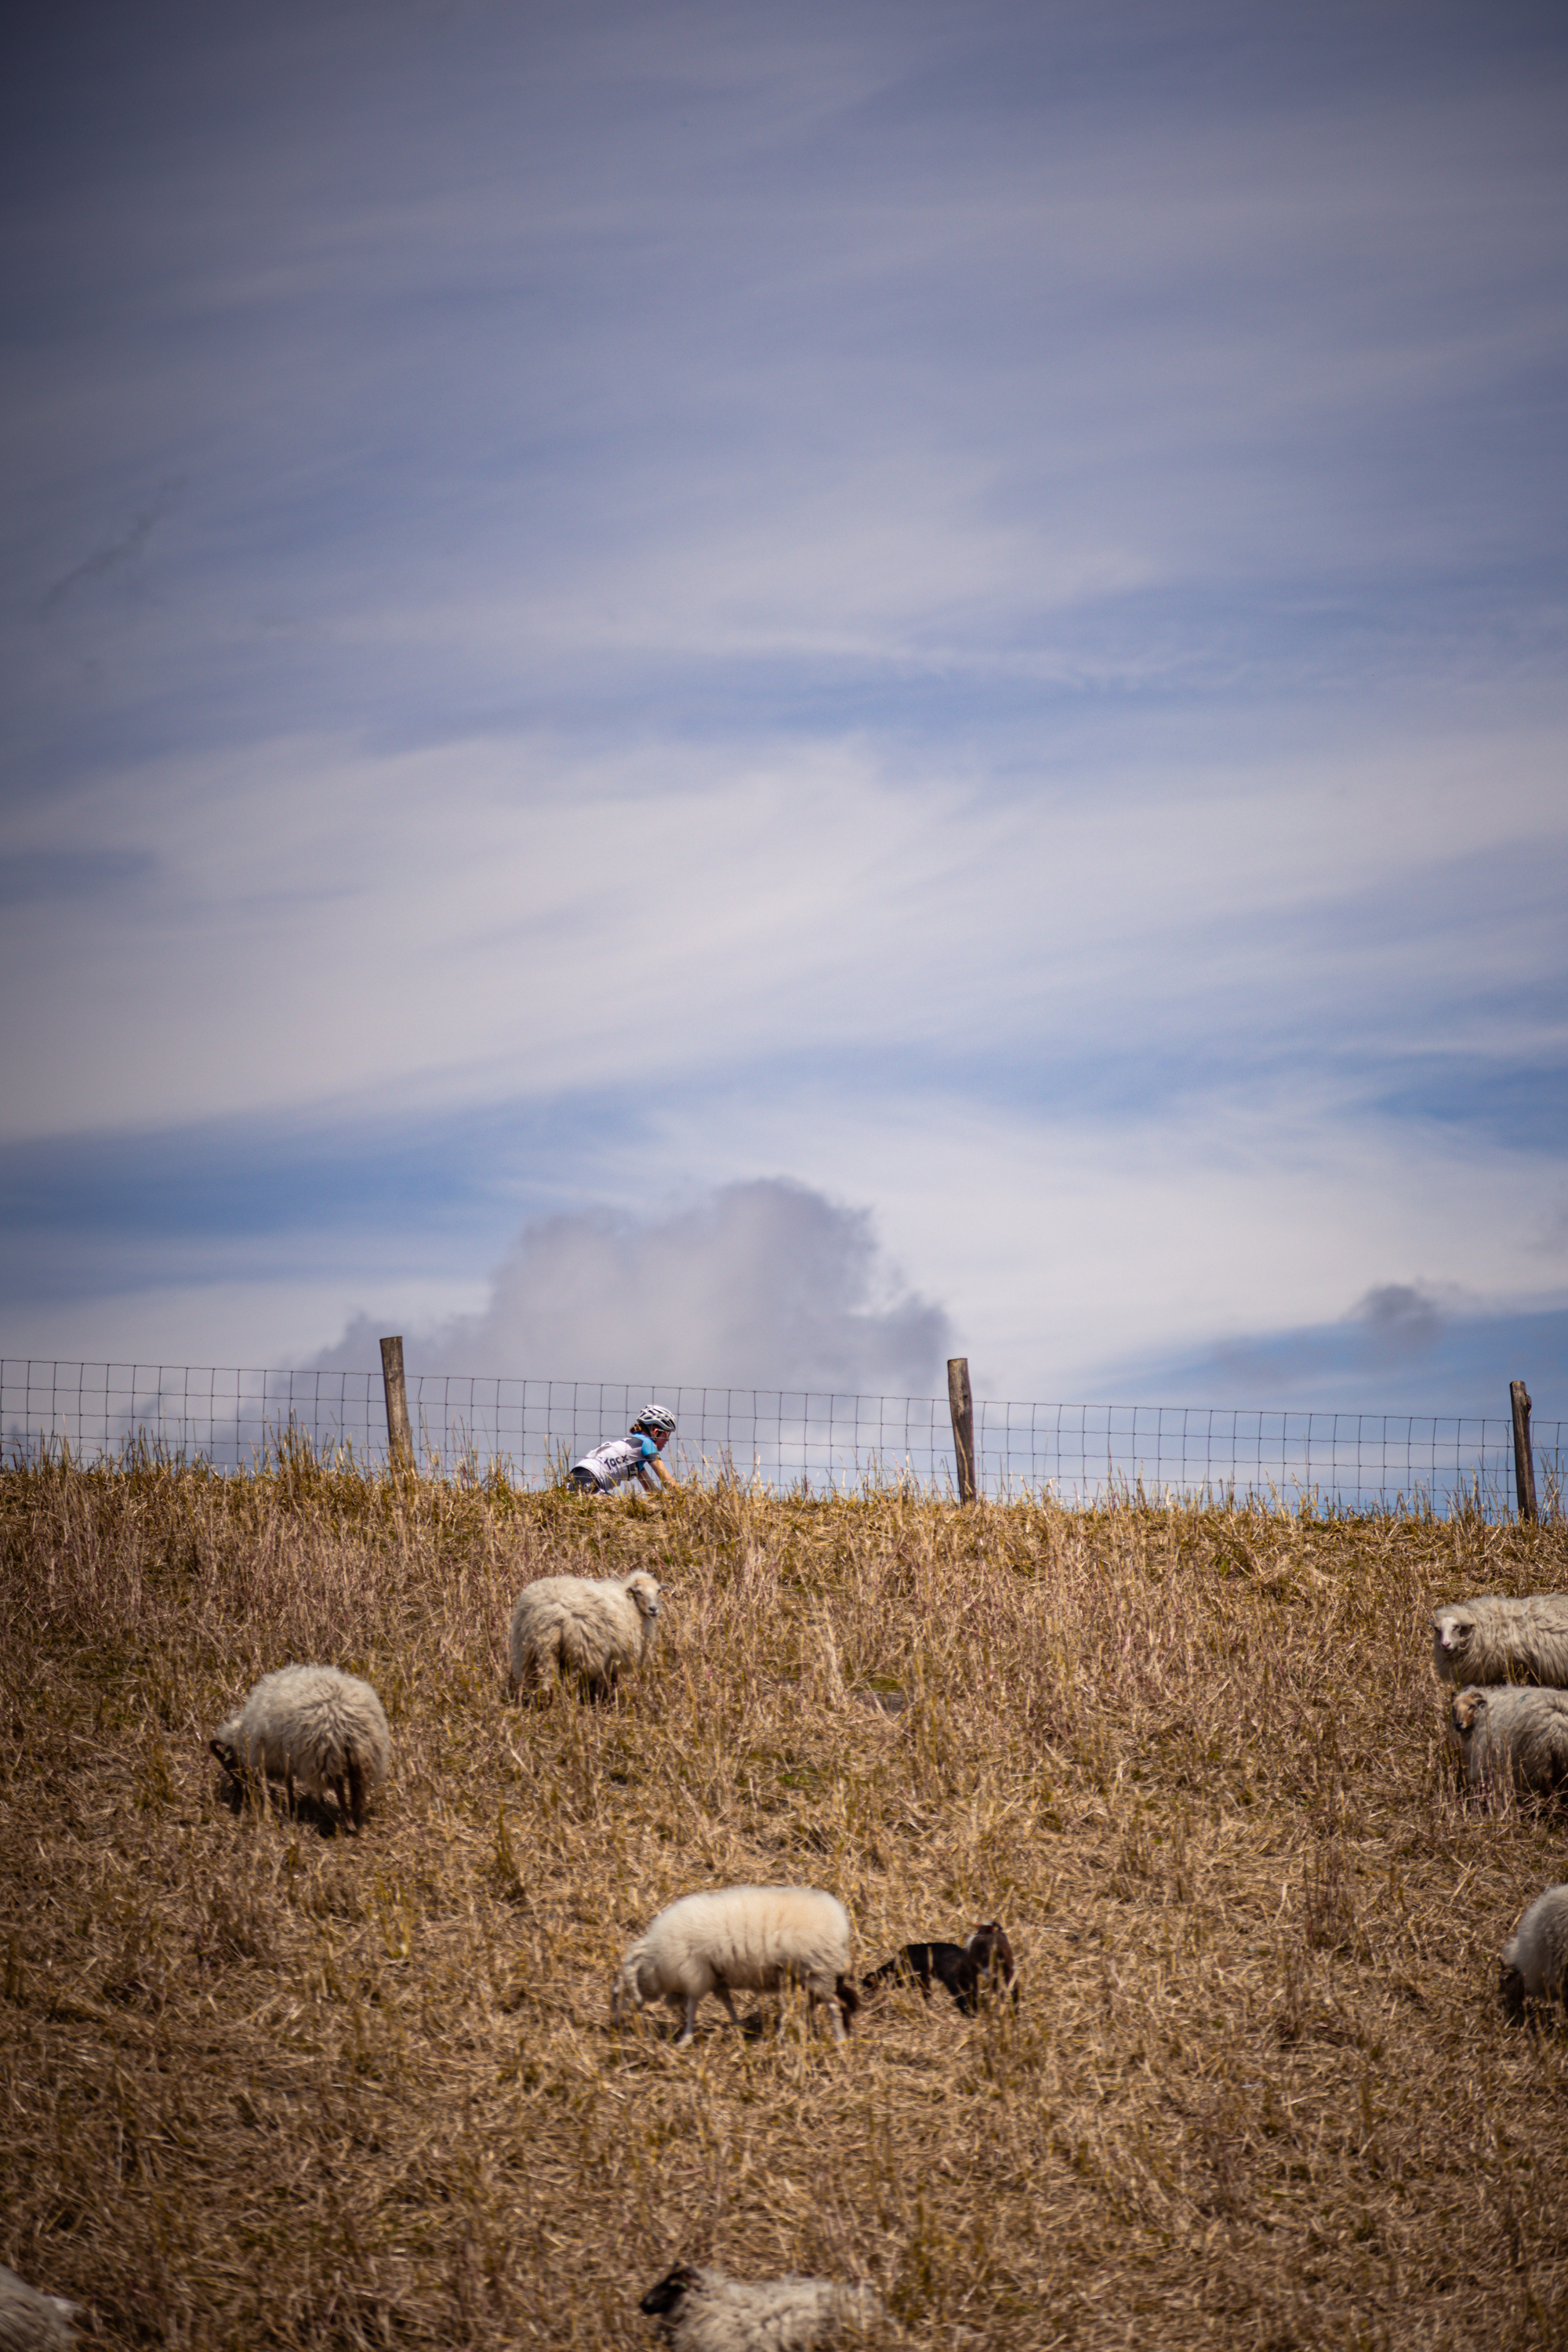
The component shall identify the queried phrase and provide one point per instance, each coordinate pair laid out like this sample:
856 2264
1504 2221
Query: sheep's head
670 2292
1512 1987
992 1953
225 1746
645 1590
626 1994
1467 1711
1454 1629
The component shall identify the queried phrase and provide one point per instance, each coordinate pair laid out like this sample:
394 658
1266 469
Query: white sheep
701 2310
752 1937
583 1625
1535 1957
1512 1735
1495 1640
32 2322
315 1725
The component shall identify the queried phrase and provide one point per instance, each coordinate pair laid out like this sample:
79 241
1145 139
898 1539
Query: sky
705 694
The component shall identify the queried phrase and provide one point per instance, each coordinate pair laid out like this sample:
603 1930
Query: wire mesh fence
785 1440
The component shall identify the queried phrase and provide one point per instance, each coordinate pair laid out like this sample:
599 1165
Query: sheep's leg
688 2033
728 1998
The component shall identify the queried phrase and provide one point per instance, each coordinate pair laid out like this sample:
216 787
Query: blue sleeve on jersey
649 1450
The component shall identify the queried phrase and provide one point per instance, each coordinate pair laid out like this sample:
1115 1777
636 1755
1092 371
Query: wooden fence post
961 1404
399 1437
1524 1459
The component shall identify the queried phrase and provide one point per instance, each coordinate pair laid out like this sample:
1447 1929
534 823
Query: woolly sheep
701 2310
1494 1640
315 1725
583 1625
31 2322
1535 1957
752 1937
983 1962
1512 1734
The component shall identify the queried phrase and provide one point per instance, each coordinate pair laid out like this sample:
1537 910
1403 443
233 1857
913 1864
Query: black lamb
985 1960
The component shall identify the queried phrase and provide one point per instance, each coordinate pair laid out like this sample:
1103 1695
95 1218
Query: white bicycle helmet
654 1418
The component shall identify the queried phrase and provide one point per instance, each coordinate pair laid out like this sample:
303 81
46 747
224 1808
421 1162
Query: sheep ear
225 1754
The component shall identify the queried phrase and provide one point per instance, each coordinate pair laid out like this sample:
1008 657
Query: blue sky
898 676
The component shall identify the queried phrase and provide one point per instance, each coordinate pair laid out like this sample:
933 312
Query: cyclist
619 1458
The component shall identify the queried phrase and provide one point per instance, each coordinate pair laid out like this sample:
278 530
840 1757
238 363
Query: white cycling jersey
618 1459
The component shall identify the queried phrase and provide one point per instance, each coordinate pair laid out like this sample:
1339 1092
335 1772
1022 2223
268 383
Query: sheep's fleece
583 1625
1512 1734
704 2311
314 1725
31 2322
753 1937
1535 1957
1492 1639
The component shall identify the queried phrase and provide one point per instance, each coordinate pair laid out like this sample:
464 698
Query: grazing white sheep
314 1725
583 1625
31 2322
701 2310
1512 1735
754 1938
1535 1957
1495 1640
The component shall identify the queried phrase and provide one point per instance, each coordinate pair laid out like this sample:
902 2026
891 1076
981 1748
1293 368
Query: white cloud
764 1285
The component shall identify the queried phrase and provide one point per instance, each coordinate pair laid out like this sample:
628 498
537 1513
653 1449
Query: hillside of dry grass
265 2085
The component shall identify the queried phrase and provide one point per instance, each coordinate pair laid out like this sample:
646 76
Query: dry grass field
265 2085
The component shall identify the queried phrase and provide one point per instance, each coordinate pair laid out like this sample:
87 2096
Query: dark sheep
982 1964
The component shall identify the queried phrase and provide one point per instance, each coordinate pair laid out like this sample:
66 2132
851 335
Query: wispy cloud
121 554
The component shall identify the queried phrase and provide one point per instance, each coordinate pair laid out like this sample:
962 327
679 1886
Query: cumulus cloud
766 1284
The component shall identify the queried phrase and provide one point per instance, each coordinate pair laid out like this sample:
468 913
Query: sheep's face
225 1746
1455 1631
626 1995
989 1949
1467 1710
1512 1987
645 1592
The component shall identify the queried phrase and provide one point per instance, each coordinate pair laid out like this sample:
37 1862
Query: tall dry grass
264 2085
